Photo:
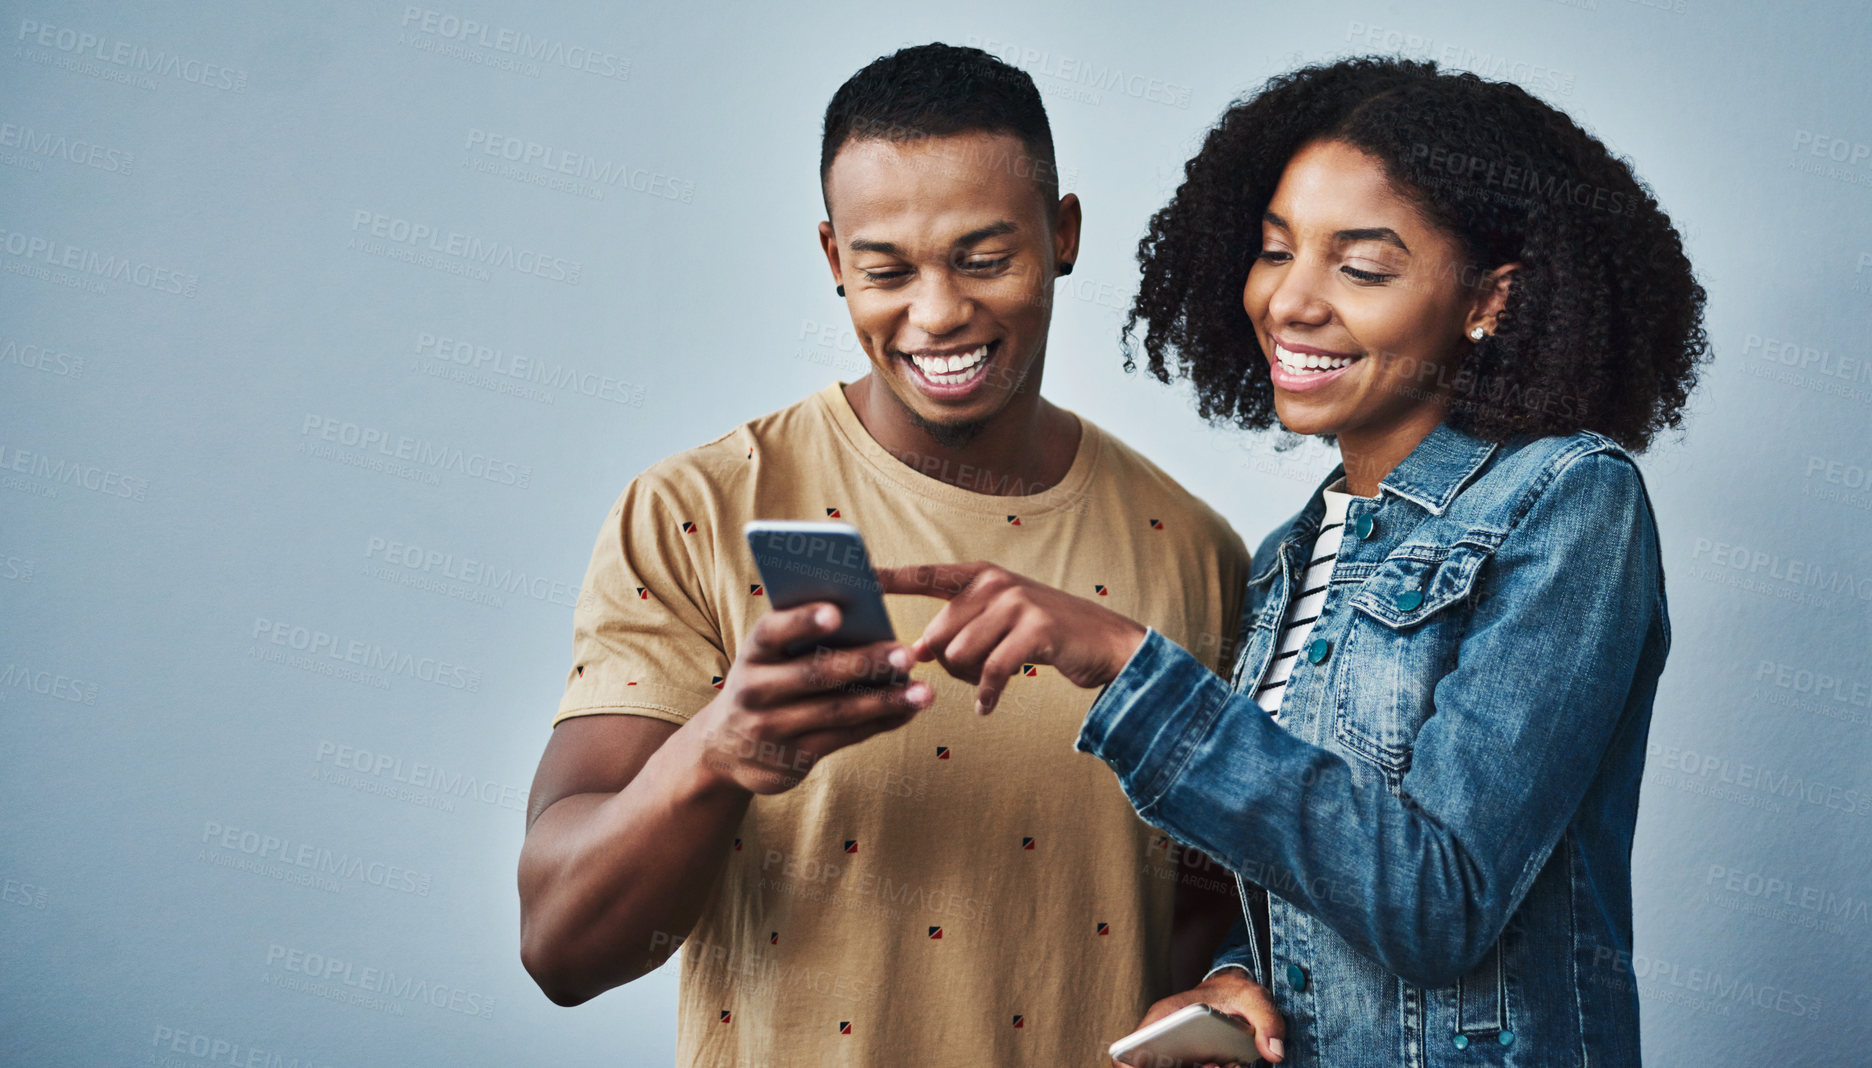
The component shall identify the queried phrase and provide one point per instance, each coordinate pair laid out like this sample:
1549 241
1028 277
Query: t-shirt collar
1068 492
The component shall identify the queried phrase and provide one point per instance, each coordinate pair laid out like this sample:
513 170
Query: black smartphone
801 562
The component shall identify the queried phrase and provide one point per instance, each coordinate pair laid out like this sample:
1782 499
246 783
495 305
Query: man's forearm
611 884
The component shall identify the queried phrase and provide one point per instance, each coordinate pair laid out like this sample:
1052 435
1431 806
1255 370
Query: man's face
947 247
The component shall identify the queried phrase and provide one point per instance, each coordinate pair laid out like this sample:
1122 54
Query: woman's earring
841 290
1477 334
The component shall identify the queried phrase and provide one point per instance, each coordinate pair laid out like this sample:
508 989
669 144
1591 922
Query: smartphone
801 562
1194 1034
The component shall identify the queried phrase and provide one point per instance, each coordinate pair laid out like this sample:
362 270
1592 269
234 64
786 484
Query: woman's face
1360 305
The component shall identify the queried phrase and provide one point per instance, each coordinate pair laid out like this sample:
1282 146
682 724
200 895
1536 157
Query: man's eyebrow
970 239
977 236
1369 233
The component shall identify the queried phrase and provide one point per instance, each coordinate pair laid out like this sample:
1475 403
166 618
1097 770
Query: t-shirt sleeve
645 640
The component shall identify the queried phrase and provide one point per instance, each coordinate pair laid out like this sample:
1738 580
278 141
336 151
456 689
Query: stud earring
1065 267
841 290
1477 334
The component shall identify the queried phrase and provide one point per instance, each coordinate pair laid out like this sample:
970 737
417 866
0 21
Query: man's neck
1023 449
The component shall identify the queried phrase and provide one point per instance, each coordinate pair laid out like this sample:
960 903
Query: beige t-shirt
962 891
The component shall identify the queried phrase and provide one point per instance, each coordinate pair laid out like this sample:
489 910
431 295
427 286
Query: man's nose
938 306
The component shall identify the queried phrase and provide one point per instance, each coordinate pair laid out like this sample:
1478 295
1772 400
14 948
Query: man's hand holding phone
778 714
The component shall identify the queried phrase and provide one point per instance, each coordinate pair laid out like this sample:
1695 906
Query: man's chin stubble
949 435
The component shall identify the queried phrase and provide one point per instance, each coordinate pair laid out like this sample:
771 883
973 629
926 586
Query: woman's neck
1371 454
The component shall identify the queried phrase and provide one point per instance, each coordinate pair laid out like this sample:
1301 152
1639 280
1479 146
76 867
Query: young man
858 869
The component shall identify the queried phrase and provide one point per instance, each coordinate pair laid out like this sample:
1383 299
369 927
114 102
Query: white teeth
950 370
1308 362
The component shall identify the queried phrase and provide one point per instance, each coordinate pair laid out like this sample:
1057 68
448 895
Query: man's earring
1477 334
841 290
1065 267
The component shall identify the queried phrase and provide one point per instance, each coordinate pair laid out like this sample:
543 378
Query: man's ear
1066 220
828 242
1491 298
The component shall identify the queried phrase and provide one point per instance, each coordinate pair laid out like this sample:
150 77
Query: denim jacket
1435 836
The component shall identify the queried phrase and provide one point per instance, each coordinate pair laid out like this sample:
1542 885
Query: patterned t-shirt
966 890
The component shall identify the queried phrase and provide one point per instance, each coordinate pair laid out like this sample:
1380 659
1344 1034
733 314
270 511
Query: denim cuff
1225 966
1150 719
1236 951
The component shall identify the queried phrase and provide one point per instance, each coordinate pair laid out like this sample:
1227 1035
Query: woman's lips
1299 372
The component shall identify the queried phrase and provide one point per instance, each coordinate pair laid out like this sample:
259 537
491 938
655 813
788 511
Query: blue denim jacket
1442 817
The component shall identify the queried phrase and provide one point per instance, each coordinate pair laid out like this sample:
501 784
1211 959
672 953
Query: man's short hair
938 90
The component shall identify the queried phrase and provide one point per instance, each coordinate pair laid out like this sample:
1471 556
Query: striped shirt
1307 602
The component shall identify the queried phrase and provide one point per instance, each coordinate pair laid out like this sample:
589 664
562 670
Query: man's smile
951 372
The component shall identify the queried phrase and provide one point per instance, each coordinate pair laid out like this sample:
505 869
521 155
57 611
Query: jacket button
1363 528
1461 1041
1296 977
1408 600
1317 649
1506 1038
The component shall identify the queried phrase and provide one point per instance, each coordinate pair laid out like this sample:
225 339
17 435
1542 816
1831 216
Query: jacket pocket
1408 620
1482 996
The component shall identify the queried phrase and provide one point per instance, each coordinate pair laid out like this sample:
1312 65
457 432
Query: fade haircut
940 90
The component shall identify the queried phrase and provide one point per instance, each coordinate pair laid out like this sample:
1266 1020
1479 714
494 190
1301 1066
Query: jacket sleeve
1237 951
1422 880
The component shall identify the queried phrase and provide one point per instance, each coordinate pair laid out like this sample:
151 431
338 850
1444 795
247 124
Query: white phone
1194 1034
801 562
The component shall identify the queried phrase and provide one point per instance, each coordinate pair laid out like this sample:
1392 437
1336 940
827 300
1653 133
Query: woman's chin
1298 419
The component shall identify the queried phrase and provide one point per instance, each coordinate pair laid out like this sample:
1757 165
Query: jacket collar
1434 472
1430 477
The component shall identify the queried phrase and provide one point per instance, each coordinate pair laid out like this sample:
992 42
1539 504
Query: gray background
213 348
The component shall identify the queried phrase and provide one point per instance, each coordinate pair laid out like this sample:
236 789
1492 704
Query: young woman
1425 767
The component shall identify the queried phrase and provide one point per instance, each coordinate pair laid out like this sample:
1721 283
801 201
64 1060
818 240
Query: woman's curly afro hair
1603 328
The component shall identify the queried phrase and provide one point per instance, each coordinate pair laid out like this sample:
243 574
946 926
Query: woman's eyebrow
1368 233
1372 233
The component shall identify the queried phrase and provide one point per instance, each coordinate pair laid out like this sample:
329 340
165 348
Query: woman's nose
1297 297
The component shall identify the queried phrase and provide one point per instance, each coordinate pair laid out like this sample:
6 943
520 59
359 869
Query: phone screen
802 562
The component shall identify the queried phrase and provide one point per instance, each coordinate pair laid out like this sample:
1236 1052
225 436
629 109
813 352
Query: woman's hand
1231 991
996 621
